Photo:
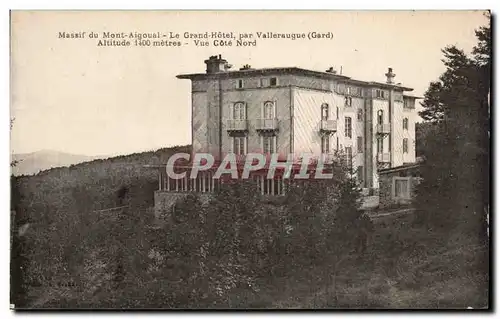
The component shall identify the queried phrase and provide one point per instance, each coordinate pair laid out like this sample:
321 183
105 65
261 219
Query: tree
226 249
424 132
455 188
432 104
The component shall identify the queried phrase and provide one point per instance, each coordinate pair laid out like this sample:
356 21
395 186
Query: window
360 144
239 112
405 145
348 101
380 94
380 145
360 174
268 144
324 112
273 81
337 143
360 115
337 112
405 124
325 144
348 90
348 152
269 110
240 84
408 103
348 127
239 145
398 96
380 117
264 82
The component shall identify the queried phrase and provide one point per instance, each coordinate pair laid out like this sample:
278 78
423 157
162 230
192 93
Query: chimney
331 70
246 67
390 76
216 64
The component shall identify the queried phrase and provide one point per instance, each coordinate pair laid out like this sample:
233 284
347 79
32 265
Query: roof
247 72
288 70
399 168
413 96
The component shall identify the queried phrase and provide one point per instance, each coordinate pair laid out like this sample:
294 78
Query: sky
71 95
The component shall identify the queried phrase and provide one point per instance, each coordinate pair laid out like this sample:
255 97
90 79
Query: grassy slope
405 267
90 185
64 198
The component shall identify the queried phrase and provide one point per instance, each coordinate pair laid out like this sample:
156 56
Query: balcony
328 126
237 125
267 125
384 157
383 129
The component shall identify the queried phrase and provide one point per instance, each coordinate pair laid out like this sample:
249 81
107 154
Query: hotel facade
290 110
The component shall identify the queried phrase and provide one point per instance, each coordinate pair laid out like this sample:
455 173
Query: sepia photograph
250 160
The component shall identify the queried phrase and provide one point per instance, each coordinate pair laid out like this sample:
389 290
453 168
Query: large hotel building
290 110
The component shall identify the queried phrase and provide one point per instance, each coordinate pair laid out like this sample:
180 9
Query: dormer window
324 111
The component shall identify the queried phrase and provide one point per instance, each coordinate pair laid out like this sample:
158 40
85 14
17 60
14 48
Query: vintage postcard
250 159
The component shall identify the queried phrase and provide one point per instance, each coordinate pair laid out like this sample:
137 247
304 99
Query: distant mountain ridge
33 163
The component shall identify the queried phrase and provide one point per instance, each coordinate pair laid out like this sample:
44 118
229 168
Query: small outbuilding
397 184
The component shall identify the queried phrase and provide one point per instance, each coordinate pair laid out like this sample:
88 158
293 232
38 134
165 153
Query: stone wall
385 190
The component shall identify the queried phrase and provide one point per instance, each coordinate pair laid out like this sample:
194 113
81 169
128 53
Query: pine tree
455 189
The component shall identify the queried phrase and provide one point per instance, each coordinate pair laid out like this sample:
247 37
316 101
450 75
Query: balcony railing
383 128
236 125
267 124
383 157
328 125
